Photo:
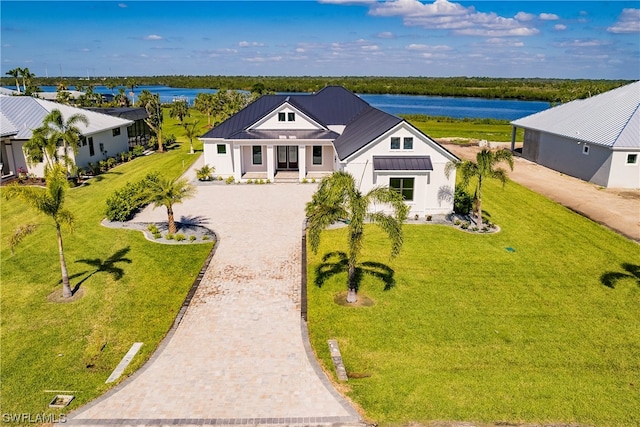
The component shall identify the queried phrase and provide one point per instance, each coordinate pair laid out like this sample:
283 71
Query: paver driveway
238 356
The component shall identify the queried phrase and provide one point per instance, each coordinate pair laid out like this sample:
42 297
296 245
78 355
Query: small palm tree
337 199
167 192
15 73
180 110
483 168
190 131
155 117
41 147
49 201
56 127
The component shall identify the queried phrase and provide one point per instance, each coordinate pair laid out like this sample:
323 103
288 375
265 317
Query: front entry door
288 157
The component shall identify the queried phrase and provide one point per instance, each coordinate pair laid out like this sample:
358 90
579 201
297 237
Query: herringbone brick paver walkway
238 356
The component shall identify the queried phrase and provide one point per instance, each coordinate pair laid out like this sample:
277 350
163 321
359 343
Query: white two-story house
311 135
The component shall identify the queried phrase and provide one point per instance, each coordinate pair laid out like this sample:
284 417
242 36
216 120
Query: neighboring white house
105 136
595 139
311 135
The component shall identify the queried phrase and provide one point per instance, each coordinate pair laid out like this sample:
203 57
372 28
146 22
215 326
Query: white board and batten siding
433 191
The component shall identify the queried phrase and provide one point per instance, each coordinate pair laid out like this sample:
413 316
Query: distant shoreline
525 89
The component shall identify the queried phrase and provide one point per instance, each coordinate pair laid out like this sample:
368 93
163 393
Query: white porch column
271 163
302 161
237 162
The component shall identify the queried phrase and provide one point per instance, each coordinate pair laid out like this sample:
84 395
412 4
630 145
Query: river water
393 104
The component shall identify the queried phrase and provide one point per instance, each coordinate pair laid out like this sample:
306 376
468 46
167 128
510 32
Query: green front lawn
131 291
477 129
474 332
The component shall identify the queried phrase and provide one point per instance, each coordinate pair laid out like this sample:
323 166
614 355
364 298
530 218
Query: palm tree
190 131
180 110
15 73
49 201
66 131
483 168
155 117
26 77
167 192
41 147
337 198
204 103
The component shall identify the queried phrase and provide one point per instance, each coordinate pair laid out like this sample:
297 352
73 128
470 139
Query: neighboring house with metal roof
309 136
104 137
595 139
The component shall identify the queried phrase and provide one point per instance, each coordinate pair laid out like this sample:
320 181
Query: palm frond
19 234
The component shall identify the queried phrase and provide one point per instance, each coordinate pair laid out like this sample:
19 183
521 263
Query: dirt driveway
617 209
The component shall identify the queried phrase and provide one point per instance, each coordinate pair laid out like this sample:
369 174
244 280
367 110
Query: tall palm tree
15 73
180 110
167 192
190 131
41 147
66 131
27 75
49 201
483 168
155 117
338 198
204 103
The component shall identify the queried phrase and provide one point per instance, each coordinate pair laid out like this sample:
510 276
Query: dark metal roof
402 163
130 113
289 134
365 127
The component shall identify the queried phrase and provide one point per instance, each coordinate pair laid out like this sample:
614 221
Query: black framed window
116 131
632 159
395 143
291 117
404 186
408 143
317 154
282 117
222 149
92 150
257 154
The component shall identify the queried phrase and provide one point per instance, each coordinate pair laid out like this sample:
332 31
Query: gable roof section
27 113
333 105
6 127
611 119
368 125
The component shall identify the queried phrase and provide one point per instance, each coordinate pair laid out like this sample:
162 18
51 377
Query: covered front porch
278 162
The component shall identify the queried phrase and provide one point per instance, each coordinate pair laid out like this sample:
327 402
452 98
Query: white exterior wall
433 191
301 122
327 159
222 163
247 159
622 174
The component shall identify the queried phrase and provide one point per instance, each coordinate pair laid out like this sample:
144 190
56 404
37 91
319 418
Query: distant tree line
549 90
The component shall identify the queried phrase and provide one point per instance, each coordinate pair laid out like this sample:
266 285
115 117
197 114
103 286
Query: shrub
205 237
230 180
260 181
205 173
462 201
169 236
304 180
138 150
250 181
464 225
123 204
268 181
157 235
111 162
152 228
169 140
180 237
192 238
123 156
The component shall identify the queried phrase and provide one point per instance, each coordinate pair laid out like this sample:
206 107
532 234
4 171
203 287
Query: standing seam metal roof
611 119
27 113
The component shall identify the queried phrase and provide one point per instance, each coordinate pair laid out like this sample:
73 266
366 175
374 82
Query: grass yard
132 289
474 332
478 129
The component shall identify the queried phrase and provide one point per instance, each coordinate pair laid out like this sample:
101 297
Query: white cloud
523 16
248 44
262 59
430 48
153 37
122 5
445 15
549 17
500 42
559 27
584 43
386 35
628 22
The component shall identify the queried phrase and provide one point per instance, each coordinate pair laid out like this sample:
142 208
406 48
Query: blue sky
558 39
